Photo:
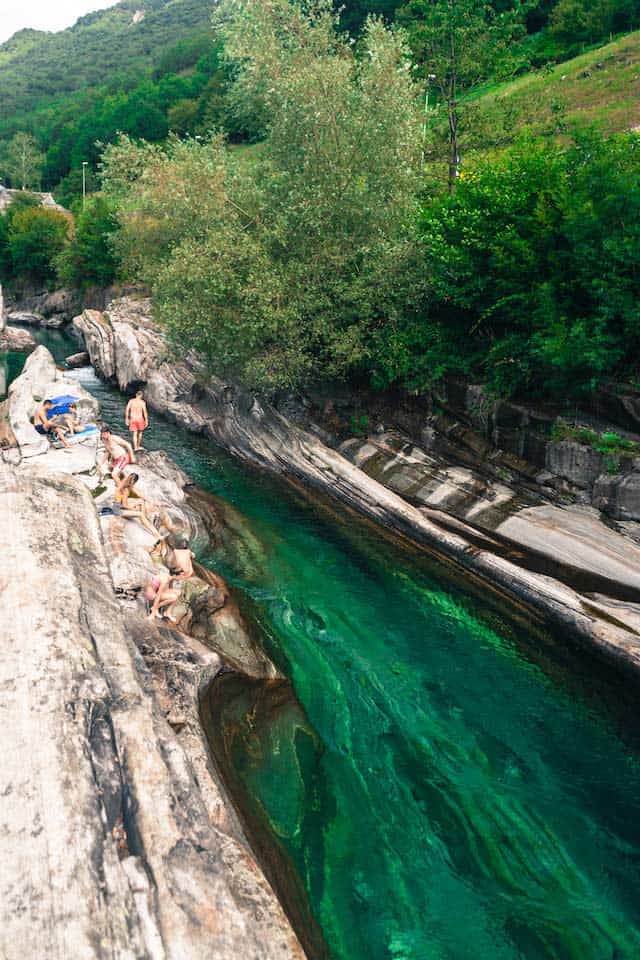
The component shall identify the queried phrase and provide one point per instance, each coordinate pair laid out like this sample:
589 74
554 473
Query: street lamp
84 182
430 77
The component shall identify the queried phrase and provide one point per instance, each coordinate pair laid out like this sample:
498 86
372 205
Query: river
457 784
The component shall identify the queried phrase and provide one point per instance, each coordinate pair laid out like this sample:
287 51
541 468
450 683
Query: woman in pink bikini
137 419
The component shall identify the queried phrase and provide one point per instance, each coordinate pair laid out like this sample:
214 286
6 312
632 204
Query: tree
533 265
23 161
279 270
89 258
36 237
457 43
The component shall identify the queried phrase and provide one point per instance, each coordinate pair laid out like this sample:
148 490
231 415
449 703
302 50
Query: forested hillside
312 195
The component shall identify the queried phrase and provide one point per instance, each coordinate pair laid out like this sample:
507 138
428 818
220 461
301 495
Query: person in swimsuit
134 505
119 452
137 419
69 420
44 425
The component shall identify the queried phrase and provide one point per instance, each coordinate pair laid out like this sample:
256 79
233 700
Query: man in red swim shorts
137 419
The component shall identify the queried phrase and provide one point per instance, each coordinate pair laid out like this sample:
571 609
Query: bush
89 258
31 239
534 266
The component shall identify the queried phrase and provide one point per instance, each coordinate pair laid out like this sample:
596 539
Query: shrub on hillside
89 258
534 266
36 237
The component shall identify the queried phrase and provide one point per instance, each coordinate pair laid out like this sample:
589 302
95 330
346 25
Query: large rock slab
40 380
15 340
111 846
576 537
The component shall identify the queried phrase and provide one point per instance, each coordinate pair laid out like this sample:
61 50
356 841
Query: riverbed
452 785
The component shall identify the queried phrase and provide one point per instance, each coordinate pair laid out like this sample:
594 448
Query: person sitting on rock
161 593
180 559
46 426
119 452
69 420
132 502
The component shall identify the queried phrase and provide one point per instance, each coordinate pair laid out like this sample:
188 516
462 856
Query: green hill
601 87
106 46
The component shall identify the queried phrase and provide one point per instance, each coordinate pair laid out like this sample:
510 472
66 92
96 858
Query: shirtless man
44 425
119 451
181 560
137 419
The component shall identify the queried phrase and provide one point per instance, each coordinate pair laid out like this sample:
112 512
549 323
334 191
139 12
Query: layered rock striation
492 530
119 839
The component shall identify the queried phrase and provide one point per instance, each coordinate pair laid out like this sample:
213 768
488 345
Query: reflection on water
459 795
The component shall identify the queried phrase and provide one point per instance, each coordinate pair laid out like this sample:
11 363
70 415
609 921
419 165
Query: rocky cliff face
492 529
118 838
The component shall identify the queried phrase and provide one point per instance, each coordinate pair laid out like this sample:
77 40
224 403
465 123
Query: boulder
618 496
98 337
14 340
574 462
78 360
39 380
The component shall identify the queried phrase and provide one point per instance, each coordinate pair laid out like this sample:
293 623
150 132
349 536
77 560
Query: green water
468 792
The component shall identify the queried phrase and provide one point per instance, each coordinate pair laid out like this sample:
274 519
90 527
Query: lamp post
430 77
84 182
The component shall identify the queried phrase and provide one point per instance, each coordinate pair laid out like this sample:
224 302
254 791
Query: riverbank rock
119 838
110 846
40 380
619 496
15 340
77 360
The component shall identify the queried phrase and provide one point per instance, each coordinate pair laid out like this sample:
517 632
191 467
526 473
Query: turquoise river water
458 786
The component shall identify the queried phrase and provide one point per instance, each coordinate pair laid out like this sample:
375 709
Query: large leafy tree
282 270
534 265
36 237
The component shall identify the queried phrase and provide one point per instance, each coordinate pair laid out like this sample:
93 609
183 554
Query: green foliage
89 258
21 161
534 265
614 447
78 89
281 270
35 238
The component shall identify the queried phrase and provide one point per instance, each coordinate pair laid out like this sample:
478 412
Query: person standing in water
137 419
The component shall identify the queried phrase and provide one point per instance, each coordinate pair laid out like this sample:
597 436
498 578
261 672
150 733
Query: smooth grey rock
577 537
574 462
78 360
12 339
618 496
40 380
116 841
26 318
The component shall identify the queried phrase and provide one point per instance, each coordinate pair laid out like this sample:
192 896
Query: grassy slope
600 87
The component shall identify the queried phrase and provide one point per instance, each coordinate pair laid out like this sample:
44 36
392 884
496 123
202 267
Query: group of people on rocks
169 553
